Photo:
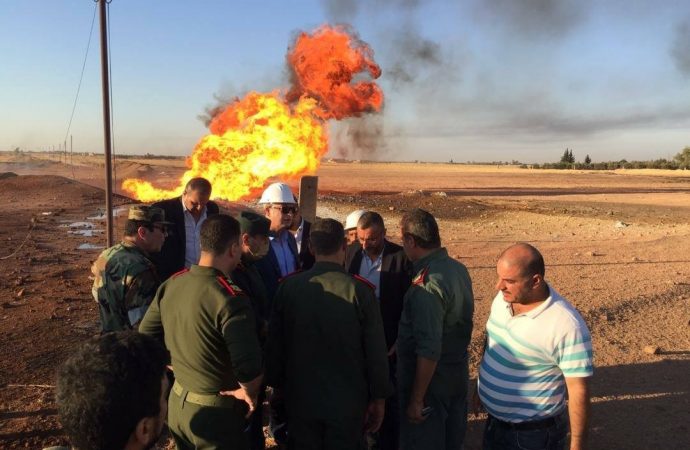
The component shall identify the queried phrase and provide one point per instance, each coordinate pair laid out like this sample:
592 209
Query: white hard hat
277 193
353 218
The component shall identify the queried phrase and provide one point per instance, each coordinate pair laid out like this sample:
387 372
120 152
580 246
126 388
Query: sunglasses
163 229
286 209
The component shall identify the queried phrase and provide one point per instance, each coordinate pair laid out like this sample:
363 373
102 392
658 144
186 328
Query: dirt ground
616 244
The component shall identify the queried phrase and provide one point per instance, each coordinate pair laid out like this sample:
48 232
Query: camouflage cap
147 214
253 223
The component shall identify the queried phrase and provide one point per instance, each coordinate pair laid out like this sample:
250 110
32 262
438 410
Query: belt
220 401
524 426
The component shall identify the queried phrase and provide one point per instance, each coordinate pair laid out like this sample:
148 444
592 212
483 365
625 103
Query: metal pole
106 125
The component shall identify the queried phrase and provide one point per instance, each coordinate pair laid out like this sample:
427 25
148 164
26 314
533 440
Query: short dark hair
326 236
369 219
108 386
218 233
534 264
199 184
423 228
132 226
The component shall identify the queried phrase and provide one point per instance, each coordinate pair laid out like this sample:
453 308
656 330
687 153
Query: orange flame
264 136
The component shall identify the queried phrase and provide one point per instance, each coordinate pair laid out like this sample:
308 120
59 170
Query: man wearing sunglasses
282 258
125 279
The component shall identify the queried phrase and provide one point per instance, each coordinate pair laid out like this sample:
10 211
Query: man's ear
537 281
244 239
144 433
141 232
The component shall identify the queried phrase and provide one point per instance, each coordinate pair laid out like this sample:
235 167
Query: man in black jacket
300 228
187 212
385 265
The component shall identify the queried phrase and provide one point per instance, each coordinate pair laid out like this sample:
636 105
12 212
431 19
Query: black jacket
306 259
171 257
396 276
269 269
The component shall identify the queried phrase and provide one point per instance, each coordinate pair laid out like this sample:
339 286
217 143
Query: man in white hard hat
282 258
351 225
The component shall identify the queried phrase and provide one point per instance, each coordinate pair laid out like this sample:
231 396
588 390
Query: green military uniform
248 279
326 350
209 328
436 324
124 284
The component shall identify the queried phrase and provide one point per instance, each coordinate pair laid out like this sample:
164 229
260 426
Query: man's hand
241 394
374 415
414 412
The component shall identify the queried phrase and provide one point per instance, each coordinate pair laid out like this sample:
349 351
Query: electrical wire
83 66
110 86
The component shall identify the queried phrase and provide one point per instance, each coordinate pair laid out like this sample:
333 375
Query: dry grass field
616 244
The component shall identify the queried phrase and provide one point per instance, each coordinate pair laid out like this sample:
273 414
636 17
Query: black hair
423 228
326 236
218 233
199 184
369 219
108 386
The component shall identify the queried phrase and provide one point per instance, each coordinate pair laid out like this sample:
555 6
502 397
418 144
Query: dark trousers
255 430
195 426
443 429
388 436
326 433
502 436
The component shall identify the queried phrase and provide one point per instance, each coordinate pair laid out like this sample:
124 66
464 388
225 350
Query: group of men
356 341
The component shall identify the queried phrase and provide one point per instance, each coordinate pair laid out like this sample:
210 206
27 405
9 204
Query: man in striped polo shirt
538 351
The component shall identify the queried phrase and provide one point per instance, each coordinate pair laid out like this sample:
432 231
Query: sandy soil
616 244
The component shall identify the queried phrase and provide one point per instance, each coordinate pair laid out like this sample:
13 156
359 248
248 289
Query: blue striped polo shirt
527 356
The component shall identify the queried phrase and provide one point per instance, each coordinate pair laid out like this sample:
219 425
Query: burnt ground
630 280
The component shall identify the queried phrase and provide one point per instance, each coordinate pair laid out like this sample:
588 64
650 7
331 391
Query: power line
110 76
83 66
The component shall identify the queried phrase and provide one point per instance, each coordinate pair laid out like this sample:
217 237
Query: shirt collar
435 254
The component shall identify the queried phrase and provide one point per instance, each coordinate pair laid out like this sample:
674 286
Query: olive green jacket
208 326
326 348
436 323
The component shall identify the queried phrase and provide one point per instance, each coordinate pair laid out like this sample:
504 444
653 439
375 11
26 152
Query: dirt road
616 244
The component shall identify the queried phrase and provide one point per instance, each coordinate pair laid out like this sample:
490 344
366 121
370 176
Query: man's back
209 330
326 343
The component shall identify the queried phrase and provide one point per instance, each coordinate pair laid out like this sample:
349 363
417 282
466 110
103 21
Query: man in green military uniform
209 329
125 279
326 349
435 330
254 242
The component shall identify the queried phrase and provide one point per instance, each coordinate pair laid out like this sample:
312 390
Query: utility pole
106 124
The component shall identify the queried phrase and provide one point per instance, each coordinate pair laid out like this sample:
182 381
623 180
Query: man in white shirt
187 212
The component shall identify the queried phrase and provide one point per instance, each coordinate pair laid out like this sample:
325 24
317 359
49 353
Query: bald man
537 348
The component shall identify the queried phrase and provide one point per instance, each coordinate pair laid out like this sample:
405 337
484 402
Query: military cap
253 223
147 214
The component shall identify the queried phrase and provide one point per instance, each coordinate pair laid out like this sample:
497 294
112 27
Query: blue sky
471 80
